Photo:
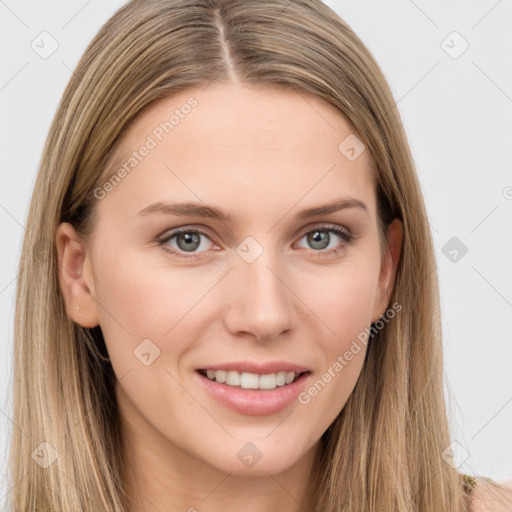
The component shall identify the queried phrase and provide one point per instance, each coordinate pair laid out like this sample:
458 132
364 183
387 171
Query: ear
388 268
76 277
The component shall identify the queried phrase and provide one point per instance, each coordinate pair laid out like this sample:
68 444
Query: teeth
248 380
233 379
267 381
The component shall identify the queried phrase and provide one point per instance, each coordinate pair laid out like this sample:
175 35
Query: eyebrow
201 210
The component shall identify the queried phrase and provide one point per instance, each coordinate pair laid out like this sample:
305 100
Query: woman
227 294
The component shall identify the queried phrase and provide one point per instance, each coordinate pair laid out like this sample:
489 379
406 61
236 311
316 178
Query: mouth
256 394
249 380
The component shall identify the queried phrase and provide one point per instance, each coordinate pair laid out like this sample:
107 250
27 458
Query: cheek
143 297
346 310
344 306
344 298
138 300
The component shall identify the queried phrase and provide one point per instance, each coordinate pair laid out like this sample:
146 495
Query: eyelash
345 235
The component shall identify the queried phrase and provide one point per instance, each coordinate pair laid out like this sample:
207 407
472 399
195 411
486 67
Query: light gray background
458 116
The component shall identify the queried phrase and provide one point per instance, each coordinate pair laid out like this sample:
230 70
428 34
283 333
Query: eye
321 239
185 240
190 243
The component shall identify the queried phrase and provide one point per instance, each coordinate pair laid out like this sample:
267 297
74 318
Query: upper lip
259 368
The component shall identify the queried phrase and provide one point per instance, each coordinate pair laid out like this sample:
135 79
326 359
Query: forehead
258 143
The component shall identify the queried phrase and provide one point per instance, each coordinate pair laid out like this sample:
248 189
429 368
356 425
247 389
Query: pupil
319 239
192 241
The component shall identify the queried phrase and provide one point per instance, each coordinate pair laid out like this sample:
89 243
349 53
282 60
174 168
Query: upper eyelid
171 233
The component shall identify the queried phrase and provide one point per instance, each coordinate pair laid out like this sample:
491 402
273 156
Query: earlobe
389 265
76 287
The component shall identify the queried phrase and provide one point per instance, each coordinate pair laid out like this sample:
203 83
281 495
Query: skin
262 155
490 498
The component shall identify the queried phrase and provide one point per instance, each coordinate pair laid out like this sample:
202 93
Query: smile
247 380
257 401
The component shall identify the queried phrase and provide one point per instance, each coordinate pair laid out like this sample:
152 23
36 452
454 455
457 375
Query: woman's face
255 278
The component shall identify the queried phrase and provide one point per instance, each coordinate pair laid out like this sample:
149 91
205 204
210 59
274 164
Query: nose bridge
263 304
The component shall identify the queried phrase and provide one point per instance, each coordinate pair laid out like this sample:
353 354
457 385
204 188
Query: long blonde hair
384 450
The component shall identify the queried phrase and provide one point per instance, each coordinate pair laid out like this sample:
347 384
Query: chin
255 458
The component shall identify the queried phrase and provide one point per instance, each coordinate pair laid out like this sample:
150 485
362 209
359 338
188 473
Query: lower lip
254 402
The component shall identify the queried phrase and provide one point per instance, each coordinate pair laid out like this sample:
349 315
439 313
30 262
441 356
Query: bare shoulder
490 496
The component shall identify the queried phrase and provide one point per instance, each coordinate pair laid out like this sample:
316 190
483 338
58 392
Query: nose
261 303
